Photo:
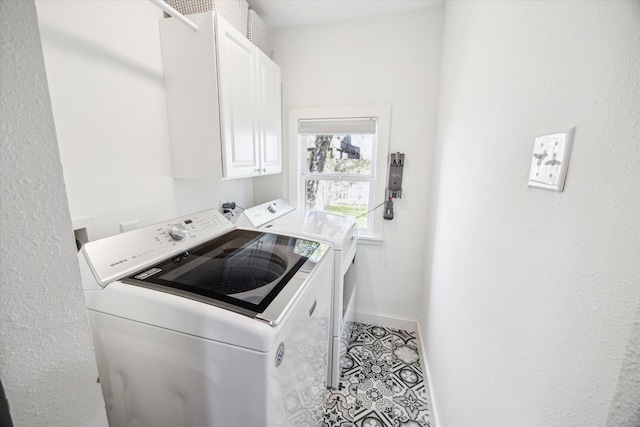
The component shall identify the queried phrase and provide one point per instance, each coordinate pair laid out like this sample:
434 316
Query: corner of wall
424 360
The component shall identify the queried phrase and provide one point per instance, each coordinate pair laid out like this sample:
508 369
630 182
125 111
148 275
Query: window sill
370 240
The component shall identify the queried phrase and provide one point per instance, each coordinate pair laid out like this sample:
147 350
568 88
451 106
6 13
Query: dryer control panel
115 257
262 214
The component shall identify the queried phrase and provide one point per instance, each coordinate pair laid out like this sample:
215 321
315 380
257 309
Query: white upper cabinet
223 101
269 117
238 112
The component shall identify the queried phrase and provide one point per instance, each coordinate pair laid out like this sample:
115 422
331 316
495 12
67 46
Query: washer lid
242 271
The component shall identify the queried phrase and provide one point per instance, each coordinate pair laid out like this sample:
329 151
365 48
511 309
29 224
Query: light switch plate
550 161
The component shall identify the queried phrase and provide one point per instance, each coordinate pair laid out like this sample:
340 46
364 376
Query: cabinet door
270 116
237 98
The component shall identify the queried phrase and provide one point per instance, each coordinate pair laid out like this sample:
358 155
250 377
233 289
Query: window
340 155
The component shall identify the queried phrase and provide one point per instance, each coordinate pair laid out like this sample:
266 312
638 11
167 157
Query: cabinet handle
264 169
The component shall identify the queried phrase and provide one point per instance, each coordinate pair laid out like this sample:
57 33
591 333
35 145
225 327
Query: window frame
297 158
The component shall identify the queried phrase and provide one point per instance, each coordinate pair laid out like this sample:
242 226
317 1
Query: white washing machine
340 233
197 323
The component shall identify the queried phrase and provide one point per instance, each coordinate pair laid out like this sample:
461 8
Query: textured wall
394 61
531 294
625 407
46 358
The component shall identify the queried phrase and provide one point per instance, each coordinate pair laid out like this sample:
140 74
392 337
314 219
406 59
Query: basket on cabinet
259 33
235 12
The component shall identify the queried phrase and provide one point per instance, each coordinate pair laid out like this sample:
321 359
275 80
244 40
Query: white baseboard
387 322
427 373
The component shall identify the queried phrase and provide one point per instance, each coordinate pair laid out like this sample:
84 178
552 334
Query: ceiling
291 13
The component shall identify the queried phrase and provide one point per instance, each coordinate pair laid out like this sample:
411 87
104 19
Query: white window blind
349 126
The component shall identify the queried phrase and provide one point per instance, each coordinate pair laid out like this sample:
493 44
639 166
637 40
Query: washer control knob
273 208
178 231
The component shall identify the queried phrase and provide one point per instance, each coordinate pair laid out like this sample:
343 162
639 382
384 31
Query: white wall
105 76
197 195
531 295
382 61
47 363
104 68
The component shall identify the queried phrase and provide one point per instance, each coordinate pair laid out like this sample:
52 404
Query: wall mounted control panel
396 169
115 257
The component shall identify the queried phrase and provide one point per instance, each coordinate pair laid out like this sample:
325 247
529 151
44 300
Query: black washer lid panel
243 268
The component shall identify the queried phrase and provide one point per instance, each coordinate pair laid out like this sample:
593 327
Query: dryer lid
337 230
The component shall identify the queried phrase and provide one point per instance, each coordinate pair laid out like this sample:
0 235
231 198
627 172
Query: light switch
550 161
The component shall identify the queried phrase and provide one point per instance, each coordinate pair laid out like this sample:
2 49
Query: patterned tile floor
382 384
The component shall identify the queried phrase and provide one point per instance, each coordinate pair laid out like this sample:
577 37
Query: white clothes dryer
340 233
198 323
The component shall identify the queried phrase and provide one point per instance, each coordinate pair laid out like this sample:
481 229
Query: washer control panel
115 257
178 231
